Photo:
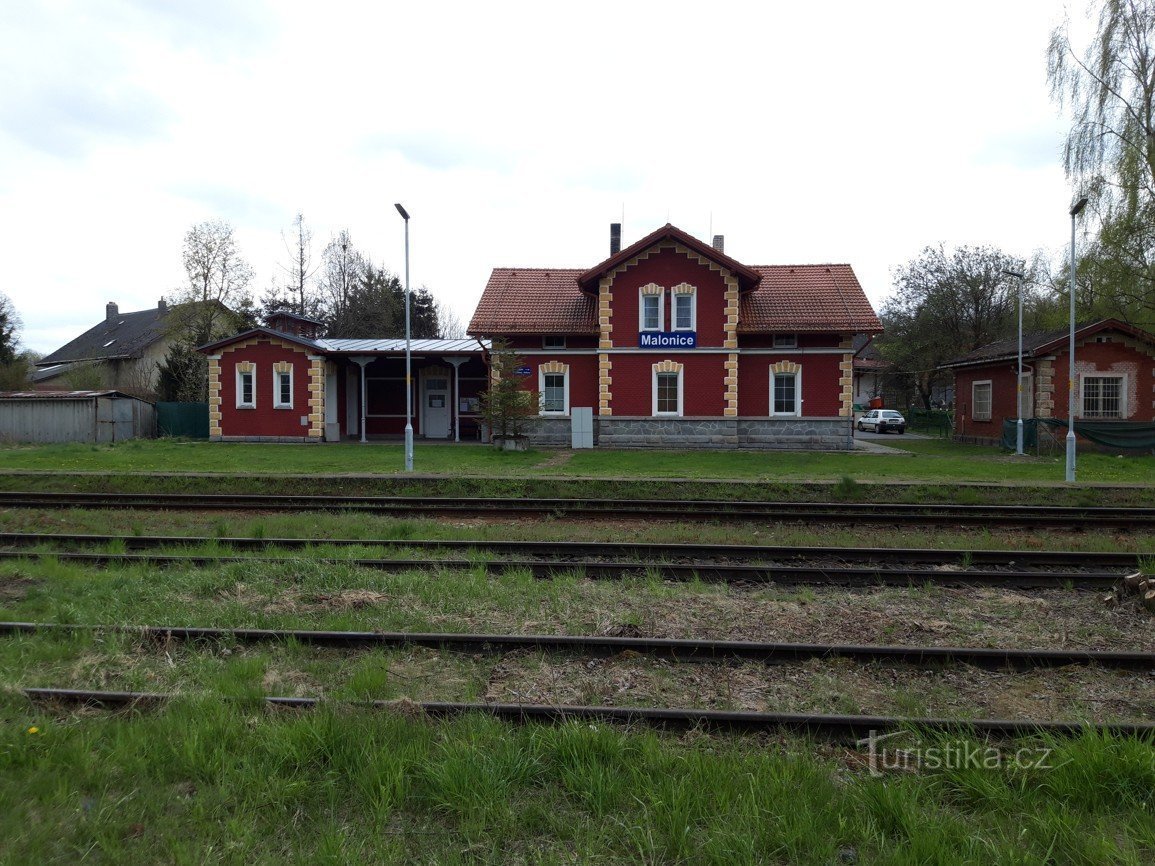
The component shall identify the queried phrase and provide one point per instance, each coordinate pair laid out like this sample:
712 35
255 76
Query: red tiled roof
784 298
534 301
794 298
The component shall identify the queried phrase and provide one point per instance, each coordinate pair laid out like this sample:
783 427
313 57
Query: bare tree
300 270
218 280
449 325
343 268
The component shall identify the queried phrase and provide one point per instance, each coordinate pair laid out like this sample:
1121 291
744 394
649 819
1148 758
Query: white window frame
975 416
661 296
277 374
693 296
784 341
558 341
541 374
797 374
241 404
1122 377
654 393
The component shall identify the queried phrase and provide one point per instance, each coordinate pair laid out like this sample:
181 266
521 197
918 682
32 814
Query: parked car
881 420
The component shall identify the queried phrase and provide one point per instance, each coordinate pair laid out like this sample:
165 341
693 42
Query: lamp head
404 213
1078 206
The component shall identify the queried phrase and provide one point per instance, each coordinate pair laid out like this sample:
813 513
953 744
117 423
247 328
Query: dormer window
785 341
552 341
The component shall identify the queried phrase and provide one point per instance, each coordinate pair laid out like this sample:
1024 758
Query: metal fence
190 420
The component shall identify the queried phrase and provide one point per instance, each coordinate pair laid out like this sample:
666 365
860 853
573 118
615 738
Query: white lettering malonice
666 340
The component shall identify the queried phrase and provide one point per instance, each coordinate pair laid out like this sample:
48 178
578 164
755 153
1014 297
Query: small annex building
1113 378
283 383
674 343
97 417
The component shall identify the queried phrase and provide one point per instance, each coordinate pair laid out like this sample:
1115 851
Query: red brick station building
670 342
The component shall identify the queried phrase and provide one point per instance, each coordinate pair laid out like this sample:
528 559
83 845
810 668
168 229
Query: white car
881 420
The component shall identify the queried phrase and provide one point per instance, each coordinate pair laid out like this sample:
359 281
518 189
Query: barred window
1102 396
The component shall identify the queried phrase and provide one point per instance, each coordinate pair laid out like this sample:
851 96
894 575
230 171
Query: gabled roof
1036 344
126 335
780 298
793 298
747 277
260 331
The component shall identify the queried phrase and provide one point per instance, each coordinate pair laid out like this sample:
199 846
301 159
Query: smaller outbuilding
74 416
1113 378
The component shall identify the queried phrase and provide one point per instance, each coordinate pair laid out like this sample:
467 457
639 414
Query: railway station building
668 342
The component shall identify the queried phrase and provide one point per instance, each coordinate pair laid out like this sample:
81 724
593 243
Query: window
1028 386
1103 397
786 393
553 393
667 399
683 312
283 389
552 342
650 308
246 387
785 341
981 400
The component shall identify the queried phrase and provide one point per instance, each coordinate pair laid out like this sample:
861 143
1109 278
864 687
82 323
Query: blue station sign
668 340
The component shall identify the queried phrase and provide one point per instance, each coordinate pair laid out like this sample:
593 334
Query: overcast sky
514 134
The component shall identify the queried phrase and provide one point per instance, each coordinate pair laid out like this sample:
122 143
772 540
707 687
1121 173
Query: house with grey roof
120 352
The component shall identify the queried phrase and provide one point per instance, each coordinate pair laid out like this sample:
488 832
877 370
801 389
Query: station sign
668 340
522 371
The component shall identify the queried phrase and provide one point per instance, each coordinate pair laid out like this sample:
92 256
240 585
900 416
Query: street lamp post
1019 384
1075 211
408 353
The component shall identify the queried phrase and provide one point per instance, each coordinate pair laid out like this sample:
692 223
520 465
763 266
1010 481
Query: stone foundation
282 439
765 434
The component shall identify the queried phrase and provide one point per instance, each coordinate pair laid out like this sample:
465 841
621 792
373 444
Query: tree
300 270
374 306
947 304
342 267
218 281
183 375
1110 149
505 405
10 325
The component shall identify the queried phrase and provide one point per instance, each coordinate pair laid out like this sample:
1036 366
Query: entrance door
435 406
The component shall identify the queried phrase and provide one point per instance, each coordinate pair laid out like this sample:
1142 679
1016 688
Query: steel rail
849 729
708 572
923 514
680 649
648 551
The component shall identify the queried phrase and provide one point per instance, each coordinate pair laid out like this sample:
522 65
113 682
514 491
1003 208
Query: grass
202 781
928 460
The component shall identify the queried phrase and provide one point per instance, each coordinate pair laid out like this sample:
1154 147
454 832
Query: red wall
668 268
821 393
264 420
703 383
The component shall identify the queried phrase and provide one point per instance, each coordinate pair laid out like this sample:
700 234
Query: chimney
719 243
615 238
111 312
162 305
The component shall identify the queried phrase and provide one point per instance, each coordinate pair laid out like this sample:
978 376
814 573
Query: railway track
603 645
851 729
735 574
810 512
648 552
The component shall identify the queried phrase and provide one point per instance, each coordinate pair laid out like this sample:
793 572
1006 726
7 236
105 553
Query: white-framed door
436 403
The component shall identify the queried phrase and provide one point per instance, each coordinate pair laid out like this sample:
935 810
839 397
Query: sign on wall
668 340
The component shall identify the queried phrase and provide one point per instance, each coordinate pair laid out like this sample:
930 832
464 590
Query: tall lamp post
1019 388
1075 211
408 354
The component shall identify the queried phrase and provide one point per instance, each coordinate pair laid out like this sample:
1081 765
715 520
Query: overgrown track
601 645
739 575
613 550
1005 516
848 729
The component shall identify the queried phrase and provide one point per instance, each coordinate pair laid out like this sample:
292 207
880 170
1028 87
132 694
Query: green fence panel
190 420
